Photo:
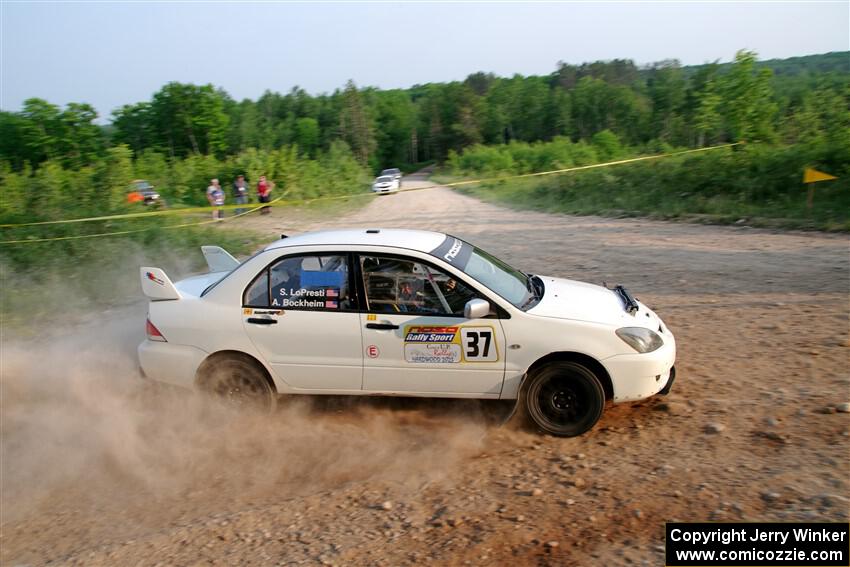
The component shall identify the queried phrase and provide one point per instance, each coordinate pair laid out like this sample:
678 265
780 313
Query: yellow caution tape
121 232
280 202
595 165
145 214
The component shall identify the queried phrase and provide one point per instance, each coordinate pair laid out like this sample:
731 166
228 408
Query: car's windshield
389 171
508 282
383 179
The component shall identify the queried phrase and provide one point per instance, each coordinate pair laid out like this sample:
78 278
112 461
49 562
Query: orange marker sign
813 176
810 176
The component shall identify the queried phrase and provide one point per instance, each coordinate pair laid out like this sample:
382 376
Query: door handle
259 321
381 326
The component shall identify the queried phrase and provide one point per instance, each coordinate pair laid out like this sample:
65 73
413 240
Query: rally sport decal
449 345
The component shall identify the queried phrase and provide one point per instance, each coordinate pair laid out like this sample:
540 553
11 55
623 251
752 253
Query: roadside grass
675 190
528 195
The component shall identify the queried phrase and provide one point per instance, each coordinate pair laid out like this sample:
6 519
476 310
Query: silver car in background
394 172
386 184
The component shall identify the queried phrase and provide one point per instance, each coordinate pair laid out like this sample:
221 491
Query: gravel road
97 470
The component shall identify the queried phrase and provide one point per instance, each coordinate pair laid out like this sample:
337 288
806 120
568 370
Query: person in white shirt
215 196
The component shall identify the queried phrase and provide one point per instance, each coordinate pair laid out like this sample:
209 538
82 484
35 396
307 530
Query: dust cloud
82 430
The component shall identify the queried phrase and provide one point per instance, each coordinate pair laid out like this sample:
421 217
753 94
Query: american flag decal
153 278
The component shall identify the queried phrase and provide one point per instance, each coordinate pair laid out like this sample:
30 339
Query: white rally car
386 184
406 313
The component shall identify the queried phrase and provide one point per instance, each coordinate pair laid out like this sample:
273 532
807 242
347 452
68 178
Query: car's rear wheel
237 381
563 398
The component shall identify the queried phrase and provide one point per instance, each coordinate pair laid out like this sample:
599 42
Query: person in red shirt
264 192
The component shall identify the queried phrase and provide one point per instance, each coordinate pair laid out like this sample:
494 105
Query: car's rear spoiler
159 287
156 285
218 259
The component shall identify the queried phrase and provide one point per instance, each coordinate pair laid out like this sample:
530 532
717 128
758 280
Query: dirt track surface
99 471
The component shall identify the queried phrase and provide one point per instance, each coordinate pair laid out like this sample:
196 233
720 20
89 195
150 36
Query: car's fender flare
585 360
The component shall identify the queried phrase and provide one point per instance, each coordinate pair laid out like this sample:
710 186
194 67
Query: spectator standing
215 196
240 192
264 192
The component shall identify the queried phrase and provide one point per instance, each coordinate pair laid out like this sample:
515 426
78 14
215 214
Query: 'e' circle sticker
373 351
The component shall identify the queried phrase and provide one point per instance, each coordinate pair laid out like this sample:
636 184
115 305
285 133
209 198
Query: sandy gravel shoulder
98 471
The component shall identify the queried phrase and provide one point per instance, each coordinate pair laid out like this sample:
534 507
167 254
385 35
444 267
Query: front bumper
641 375
666 389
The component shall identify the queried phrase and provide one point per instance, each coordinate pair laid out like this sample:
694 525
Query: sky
113 53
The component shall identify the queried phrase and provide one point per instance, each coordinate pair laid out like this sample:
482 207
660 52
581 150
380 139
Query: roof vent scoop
373 231
282 236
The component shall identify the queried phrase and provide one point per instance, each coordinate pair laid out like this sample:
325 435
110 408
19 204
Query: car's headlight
640 338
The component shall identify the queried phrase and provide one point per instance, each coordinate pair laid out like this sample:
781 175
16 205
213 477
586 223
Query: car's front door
301 314
415 337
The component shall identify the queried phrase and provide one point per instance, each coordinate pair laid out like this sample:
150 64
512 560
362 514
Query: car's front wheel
238 381
563 398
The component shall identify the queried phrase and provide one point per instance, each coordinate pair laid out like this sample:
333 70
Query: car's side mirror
476 309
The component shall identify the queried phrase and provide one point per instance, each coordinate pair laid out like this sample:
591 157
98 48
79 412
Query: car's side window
257 294
395 285
313 282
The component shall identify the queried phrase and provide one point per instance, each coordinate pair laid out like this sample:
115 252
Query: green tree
307 135
395 119
748 100
462 114
12 150
560 113
607 145
450 115
529 110
666 88
597 106
134 127
41 130
190 119
82 140
356 124
707 118
112 180
480 82
497 124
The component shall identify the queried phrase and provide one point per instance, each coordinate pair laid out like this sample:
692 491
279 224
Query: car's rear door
301 314
415 337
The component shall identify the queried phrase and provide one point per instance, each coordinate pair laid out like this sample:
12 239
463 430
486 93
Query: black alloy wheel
238 382
564 398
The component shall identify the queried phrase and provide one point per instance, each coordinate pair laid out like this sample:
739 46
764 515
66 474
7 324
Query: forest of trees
778 102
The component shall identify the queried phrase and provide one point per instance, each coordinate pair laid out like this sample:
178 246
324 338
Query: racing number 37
478 344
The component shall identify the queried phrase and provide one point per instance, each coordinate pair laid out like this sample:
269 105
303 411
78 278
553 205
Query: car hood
570 299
